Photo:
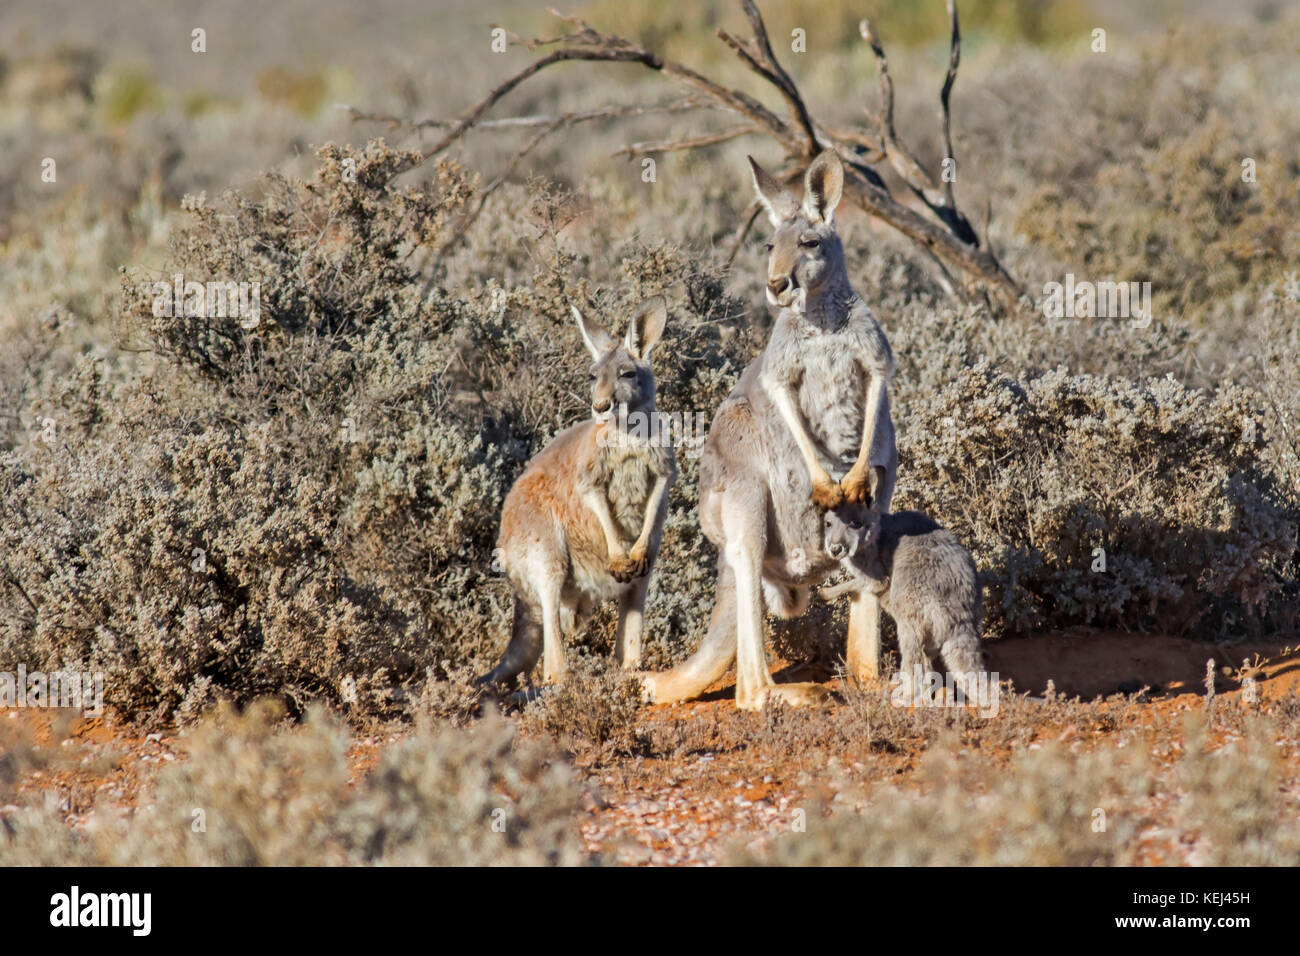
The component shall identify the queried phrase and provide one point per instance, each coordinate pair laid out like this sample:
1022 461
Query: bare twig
746 224
540 119
668 146
904 162
765 63
949 241
954 58
598 46
468 219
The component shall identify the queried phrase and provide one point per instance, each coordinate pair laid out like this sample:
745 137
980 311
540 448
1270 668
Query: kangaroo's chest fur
627 469
829 368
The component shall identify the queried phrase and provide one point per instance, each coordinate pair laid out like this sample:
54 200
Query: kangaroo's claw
827 495
624 569
857 487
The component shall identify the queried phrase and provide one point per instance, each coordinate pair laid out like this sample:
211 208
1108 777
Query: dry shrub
1177 212
1231 798
340 468
234 523
592 712
308 506
1010 791
455 700
1034 476
257 791
972 812
1275 367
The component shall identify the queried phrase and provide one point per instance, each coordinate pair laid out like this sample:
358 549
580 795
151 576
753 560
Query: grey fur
926 581
827 361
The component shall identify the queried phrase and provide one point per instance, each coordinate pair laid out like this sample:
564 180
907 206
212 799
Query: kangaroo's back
932 576
933 596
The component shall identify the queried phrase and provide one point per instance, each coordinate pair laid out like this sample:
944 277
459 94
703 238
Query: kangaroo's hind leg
631 622
746 542
963 658
710 661
913 662
862 653
523 651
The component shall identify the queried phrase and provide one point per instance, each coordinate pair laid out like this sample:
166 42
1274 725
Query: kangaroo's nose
778 286
837 551
601 405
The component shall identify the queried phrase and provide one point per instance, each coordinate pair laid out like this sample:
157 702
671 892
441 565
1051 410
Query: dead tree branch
954 59
541 119
945 234
673 145
939 200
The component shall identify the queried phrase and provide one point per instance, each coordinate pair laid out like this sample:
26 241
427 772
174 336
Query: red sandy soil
691 809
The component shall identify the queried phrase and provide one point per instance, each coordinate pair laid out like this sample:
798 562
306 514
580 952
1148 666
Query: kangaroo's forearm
875 397
596 502
652 511
783 398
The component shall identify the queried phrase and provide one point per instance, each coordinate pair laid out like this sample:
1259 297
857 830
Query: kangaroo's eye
628 373
767 246
810 242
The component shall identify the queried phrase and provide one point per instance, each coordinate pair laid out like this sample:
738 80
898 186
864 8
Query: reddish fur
550 485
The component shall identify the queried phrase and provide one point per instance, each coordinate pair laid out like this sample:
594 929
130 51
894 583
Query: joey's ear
823 186
646 327
598 340
780 205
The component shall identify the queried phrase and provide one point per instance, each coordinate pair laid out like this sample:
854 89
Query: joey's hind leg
962 658
913 663
631 622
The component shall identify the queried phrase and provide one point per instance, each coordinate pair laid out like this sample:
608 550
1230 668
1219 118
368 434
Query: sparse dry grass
257 791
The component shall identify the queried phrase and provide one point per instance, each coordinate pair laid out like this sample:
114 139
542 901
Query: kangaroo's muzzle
781 290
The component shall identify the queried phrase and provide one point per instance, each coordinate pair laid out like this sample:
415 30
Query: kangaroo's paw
827 495
792 695
857 486
625 568
638 562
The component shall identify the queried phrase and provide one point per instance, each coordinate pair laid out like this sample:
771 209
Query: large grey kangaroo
805 428
583 523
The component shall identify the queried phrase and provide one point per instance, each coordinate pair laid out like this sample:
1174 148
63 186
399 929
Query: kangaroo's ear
598 340
780 205
646 327
823 186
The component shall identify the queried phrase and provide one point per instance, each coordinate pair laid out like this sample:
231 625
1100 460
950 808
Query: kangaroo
806 428
926 581
583 523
